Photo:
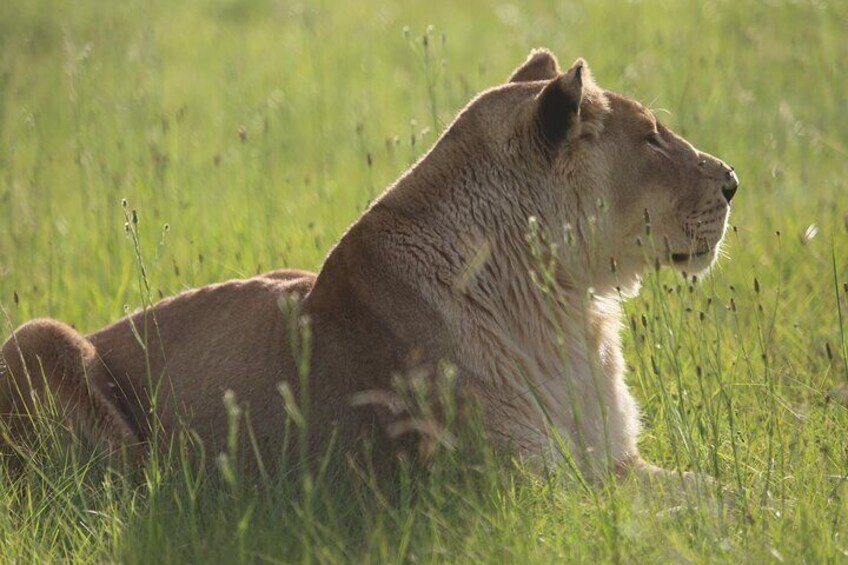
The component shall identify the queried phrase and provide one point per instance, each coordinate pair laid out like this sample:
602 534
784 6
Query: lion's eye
654 140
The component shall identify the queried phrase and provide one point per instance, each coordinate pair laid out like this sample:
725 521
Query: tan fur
437 270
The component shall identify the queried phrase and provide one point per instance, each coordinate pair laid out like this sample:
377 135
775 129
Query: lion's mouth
684 257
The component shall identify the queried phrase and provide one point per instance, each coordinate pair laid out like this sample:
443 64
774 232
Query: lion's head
606 174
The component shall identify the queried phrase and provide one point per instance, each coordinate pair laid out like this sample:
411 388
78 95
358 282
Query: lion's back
188 350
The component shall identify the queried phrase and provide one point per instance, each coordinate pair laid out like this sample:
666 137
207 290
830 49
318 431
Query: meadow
248 134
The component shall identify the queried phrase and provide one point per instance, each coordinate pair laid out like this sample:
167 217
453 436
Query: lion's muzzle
731 183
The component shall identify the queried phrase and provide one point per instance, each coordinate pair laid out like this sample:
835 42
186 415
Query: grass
249 134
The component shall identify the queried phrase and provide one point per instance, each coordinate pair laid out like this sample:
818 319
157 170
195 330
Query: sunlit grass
257 131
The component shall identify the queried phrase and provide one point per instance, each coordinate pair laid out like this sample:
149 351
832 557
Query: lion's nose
731 183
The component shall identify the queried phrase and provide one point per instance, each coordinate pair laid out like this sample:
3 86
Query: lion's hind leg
48 368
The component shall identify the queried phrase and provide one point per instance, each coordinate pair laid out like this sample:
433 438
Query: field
248 134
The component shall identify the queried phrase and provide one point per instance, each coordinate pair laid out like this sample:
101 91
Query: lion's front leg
675 483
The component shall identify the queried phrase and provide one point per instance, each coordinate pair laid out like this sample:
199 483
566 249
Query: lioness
437 270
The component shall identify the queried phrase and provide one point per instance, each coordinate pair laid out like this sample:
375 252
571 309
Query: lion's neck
550 355
540 344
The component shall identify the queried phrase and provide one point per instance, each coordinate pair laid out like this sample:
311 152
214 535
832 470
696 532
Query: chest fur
556 389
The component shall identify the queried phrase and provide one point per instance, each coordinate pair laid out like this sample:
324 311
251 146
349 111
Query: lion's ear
559 104
540 65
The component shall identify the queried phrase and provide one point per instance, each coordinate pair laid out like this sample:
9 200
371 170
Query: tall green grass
249 134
